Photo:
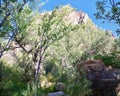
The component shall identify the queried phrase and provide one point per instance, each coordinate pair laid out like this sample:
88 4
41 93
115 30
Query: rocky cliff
77 17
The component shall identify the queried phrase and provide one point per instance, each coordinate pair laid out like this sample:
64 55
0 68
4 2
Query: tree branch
9 13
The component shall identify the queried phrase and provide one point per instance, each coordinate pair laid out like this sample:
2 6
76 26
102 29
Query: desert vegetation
45 52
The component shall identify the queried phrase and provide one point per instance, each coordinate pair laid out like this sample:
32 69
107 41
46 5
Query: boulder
104 80
60 93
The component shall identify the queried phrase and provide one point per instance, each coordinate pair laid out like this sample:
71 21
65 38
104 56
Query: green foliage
75 83
49 28
47 38
11 83
81 44
49 65
113 58
8 10
13 25
109 10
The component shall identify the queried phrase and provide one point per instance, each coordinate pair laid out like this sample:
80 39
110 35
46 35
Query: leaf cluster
108 10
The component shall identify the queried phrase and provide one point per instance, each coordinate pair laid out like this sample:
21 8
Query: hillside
49 46
86 35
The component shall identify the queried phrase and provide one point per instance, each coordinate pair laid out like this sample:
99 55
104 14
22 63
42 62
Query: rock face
93 65
77 17
104 80
11 56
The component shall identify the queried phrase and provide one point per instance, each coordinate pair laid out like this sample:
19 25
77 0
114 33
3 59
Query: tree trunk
36 76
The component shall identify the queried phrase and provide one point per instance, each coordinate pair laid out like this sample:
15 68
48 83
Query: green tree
8 7
35 40
109 10
9 11
43 36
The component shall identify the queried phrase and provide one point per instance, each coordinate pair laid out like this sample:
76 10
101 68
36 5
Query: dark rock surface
105 80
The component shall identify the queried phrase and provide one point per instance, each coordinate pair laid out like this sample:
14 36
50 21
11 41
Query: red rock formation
92 65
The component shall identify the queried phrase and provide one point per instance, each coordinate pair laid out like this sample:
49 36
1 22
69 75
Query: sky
87 6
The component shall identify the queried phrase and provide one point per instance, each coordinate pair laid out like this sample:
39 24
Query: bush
11 83
113 57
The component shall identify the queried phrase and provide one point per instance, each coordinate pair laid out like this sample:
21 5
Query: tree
35 40
9 10
8 7
109 10
39 33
